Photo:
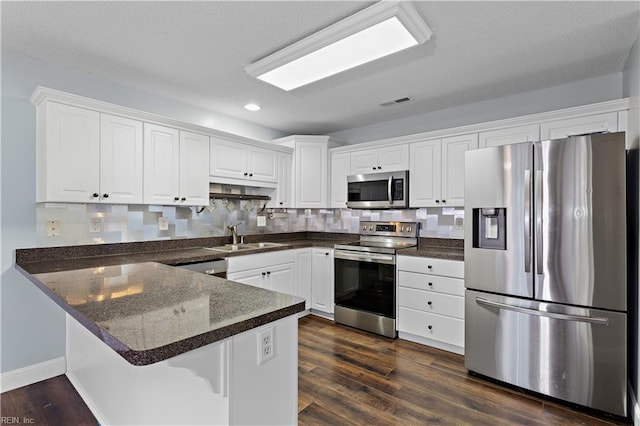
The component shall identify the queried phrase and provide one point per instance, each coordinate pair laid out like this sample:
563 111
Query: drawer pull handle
429 303
430 284
429 267
430 327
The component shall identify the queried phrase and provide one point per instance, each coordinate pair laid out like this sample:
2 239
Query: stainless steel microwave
378 191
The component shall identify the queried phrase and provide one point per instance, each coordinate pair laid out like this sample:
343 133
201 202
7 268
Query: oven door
366 282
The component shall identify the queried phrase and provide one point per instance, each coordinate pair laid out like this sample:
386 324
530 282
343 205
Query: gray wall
32 327
568 95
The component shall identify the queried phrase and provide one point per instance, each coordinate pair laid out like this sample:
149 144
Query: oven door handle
388 259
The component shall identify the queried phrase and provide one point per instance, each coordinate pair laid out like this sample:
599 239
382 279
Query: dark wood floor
351 377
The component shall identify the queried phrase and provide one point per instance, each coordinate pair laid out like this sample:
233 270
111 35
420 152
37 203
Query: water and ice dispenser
490 228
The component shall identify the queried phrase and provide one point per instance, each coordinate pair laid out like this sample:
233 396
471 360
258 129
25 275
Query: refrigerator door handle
527 220
566 317
538 219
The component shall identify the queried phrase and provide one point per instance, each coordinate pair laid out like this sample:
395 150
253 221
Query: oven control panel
395 229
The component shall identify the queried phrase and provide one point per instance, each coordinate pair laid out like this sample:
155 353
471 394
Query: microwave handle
389 193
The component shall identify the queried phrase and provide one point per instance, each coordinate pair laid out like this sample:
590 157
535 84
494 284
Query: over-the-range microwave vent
397 102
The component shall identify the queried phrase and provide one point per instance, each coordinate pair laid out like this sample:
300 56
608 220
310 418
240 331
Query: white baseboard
433 343
32 374
322 314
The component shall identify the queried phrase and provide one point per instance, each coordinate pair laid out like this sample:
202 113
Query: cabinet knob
264 273
245 173
444 201
96 195
105 195
281 202
430 327
326 254
183 198
429 267
374 167
437 201
268 272
176 198
379 167
250 174
429 303
430 284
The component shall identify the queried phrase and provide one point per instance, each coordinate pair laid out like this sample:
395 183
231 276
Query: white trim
430 342
41 94
579 111
321 314
31 374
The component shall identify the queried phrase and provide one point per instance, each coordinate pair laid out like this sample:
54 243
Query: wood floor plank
317 415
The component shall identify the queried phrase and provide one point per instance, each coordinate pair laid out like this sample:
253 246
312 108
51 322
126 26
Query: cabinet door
194 169
120 160
340 167
322 280
393 158
453 150
363 162
228 159
280 278
284 191
253 277
161 165
425 173
302 286
69 156
311 175
519 134
262 164
579 125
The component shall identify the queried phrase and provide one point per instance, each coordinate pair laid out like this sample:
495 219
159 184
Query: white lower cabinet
302 286
322 280
431 302
272 271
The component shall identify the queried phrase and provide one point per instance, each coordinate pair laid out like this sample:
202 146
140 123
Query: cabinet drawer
454 286
431 326
259 260
432 302
428 265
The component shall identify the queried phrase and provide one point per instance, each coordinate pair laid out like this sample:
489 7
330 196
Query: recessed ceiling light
380 30
252 107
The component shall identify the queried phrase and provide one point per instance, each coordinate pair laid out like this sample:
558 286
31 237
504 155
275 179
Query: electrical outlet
95 226
163 223
262 221
53 228
266 345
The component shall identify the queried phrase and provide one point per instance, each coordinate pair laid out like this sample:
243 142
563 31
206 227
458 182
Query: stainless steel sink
246 246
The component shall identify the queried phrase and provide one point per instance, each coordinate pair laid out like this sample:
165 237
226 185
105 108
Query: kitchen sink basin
246 246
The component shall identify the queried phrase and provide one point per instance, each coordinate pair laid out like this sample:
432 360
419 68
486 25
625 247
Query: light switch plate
163 223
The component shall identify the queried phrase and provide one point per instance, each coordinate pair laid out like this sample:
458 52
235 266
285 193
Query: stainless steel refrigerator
545 268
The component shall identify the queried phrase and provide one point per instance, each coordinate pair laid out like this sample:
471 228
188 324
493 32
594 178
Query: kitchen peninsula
149 343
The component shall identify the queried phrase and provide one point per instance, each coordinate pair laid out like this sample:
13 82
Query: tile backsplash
112 223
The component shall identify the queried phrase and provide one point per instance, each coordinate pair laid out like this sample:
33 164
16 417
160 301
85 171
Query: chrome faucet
234 232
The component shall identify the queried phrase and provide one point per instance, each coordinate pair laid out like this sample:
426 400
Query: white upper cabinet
194 169
175 167
559 129
88 157
391 158
453 150
340 169
284 191
68 154
425 173
518 134
238 161
437 171
121 160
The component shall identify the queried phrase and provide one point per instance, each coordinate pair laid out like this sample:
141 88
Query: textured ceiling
196 52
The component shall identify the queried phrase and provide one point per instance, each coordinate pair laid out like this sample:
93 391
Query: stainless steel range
365 276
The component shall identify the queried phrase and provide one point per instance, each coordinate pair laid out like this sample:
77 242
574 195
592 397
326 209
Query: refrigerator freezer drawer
437 327
432 302
574 354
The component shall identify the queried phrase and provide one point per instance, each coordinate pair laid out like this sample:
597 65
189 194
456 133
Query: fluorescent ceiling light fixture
252 107
375 32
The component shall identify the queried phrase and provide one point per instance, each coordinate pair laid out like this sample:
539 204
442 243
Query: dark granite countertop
148 312
438 248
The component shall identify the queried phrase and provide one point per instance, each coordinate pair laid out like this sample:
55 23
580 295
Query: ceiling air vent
396 102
